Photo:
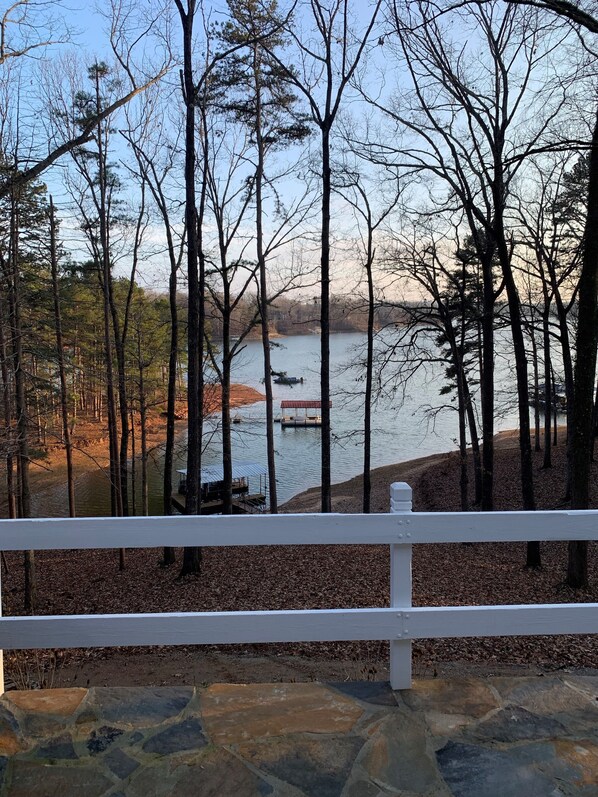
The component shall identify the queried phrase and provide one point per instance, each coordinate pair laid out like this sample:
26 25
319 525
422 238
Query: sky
89 34
89 41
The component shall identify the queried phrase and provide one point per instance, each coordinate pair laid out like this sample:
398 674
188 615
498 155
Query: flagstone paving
499 737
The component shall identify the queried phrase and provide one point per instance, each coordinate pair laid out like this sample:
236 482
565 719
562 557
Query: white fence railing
400 623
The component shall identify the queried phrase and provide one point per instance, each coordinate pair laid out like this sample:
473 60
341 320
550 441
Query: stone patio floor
499 737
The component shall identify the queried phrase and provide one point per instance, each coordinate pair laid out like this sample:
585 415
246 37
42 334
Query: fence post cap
401 491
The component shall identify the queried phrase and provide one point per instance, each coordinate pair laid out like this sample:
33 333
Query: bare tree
466 125
587 326
356 188
61 365
550 249
327 62
445 313
30 27
156 158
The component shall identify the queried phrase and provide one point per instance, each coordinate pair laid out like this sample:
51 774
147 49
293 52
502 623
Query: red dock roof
301 405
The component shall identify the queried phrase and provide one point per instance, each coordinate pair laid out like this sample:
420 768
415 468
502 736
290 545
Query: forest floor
90 440
318 577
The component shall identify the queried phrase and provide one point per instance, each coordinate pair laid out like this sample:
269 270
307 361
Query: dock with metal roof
292 417
212 489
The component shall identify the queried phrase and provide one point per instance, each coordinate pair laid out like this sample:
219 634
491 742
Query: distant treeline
302 316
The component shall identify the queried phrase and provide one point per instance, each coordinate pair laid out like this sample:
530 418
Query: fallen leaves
300 577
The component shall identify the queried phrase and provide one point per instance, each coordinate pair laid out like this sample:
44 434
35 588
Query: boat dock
249 505
295 412
212 489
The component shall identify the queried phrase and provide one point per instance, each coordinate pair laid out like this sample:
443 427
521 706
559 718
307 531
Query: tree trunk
169 554
325 321
533 559
585 371
369 377
66 433
475 443
537 446
463 473
227 457
24 493
105 276
144 484
123 405
7 411
263 292
548 396
569 383
120 486
191 556
133 466
487 388
143 424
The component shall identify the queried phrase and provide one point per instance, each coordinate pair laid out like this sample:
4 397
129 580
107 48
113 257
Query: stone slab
361 788
581 754
398 758
8 721
234 713
57 702
516 724
60 748
464 738
10 742
34 779
3 767
548 695
446 724
185 735
101 739
318 767
120 764
564 700
469 697
139 707
215 773
376 693
478 771
583 683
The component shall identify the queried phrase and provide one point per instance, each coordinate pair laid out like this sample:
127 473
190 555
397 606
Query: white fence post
400 587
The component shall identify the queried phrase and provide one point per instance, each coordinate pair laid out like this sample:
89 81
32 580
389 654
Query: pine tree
253 88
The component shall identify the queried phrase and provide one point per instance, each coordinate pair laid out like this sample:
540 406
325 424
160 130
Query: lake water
403 428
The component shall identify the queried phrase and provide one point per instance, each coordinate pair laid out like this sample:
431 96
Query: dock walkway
246 505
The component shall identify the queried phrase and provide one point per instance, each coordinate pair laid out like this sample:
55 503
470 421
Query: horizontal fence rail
305 625
400 623
311 529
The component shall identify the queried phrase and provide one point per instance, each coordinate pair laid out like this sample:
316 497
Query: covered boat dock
246 498
295 412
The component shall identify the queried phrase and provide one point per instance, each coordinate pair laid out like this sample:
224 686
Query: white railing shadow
400 623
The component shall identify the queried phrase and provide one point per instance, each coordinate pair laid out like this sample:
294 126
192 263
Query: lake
403 427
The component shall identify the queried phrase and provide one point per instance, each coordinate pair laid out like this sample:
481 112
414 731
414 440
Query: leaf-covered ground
245 578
